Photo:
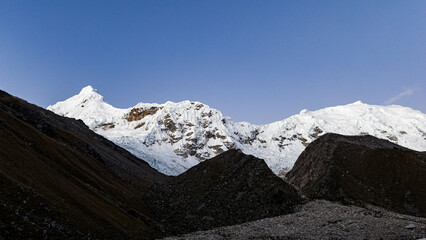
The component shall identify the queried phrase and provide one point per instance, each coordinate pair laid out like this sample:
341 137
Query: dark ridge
228 189
60 180
362 170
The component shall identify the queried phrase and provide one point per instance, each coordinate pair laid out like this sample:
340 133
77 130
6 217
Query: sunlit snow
180 135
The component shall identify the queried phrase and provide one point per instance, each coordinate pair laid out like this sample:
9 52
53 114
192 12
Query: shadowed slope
87 184
363 169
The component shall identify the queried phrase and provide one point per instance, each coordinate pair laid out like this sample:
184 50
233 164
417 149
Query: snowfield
173 137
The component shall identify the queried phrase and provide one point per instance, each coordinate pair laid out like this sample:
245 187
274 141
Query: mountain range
172 137
61 180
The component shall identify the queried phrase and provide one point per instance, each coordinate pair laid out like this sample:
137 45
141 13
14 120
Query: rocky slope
173 137
228 189
323 220
362 169
60 180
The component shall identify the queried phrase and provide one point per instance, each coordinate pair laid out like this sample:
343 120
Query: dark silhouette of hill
228 189
360 170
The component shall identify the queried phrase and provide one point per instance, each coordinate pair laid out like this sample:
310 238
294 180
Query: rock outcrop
362 170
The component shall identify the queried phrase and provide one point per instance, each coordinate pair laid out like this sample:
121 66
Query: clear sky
256 61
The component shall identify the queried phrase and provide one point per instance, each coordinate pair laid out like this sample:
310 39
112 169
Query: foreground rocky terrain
322 219
349 170
362 169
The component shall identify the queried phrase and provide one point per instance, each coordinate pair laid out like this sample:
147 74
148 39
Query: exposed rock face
60 180
137 114
362 169
228 189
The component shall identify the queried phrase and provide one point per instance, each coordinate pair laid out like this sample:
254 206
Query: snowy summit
173 137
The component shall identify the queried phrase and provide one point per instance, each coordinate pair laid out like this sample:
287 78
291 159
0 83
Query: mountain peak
358 103
88 104
89 92
87 89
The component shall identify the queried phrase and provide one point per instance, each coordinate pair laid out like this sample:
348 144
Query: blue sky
256 61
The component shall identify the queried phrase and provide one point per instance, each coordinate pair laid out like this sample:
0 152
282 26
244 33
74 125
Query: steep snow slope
173 137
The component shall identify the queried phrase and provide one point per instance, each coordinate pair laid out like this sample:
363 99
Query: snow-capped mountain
173 137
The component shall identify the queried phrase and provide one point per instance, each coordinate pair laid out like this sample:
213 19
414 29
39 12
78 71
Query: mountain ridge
173 137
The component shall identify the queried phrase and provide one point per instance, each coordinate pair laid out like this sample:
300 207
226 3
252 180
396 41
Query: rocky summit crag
362 170
173 137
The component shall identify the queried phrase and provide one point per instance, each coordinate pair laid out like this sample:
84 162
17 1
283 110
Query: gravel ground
322 219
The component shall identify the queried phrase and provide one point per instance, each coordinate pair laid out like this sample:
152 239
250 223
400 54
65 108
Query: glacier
172 137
